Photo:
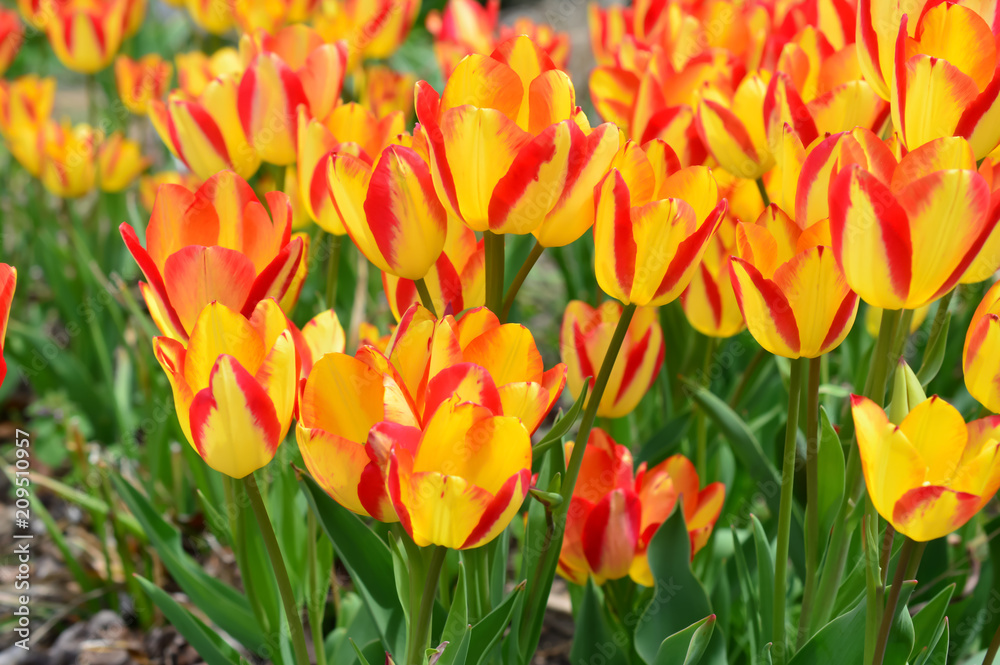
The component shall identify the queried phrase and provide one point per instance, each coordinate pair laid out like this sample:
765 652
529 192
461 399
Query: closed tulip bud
68 159
905 393
215 244
233 384
584 339
613 516
932 473
120 162
793 295
195 70
653 224
11 37
85 34
205 132
709 301
906 241
981 354
735 133
8 282
141 80
149 185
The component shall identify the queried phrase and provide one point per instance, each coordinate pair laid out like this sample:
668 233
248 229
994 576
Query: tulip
793 295
555 43
8 282
119 161
141 80
384 91
456 281
904 242
390 210
195 70
987 262
135 14
67 159
11 36
212 16
374 29
463 27
612 516
873 319
981 351
150 184
293 67
214 244
503 138
86 34
584 340
233 384
369 335
709 301
205 132
653 224
323 334
270 15
25 107
734 132
931 473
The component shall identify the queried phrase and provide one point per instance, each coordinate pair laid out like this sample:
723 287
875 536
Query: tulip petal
466 381
767 313
611 533
196 276
937 432
931 512
508 353
335 463
342 395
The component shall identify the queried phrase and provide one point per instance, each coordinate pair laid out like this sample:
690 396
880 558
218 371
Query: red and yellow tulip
613 516
11 36
216 244
270 15
982 351
119 162
142 80
794 298
653 224
323 334
25 107
932 472
709 301
584 340
384 90
86 34
734 131
211 15
8 282
904 241
68 159
234 384
149 185
195 70
374 29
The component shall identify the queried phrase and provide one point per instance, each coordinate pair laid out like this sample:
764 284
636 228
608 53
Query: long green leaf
901 641
830 489
593 633
491 627
927 622
840 641
687 646
765 578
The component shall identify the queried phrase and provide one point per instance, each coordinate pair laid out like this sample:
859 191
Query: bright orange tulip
584 339
906 241
709 301
374 29
142 80
86 34
613 516
793 295
149 185
982 351
215 244
8 282
932 472
120 162
205 132
292 68
735 132
234 384
195 70
653 223
11 36
25 107
68 159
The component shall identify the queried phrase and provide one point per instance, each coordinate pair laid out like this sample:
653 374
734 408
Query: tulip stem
907 552
316 595
422 629
529 263
763 192
333 270
494 246
991 653
746 375
785 510
701 421
812 498
280 572
937 327
425 295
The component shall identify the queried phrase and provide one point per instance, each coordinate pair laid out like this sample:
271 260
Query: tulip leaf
457 623
221 603
687 646
594 634
360 653
748 592
840 641
452 653
900 643
209 646
934 354
765 578
400 574
491 627
563 424
938 642
367 559
927 622
678 597
664 441
830 489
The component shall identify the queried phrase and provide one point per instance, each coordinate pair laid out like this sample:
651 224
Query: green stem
763 192
902 334
747 375
333 270
812 498
92 113
494 246
906 552
280 572
425 295
522 274
937 325
316 597
869 532
422 632
991 653
785 511
701 421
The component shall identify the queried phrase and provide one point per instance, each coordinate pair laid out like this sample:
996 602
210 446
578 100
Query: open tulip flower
504 137
195 70
374 29
270 15
215 244
981 354
292 68
68 159
793 295
11 36
734 131
613 516
906 240
987 262
234 384
25 108
437 433
211 15
709 301
86 34
931 473
142 80
584 340
205 131
653 224
323 334
120 162
8 282
384 90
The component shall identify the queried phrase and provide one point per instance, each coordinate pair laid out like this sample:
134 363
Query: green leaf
830 489
221 603
840 641
457 623
686 647
927 622
765 579
359 653
209 646
367 560
593 634
664 441
934 354
400 574
562 425
749 593
259 583
452 653
678 599
935 646
491 627
900 643
217 523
